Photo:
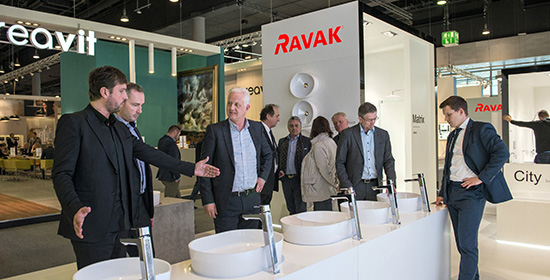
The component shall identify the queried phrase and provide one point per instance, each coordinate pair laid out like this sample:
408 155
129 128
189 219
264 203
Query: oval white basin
121 269
232 254
406 201
316 228
370 212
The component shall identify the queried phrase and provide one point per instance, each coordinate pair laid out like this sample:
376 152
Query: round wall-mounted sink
306 111
406 201
124 268
370 212
316 228
302 85
233 254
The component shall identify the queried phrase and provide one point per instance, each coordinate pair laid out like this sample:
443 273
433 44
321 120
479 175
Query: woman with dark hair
319 180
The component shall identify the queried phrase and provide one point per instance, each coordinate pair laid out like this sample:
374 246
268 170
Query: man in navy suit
93 174
364 151
238 147
472 174
170 179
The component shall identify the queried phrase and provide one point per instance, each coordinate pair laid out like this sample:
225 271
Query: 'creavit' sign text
19 36
306 41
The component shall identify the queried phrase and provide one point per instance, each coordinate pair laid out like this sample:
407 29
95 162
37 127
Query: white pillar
174 63
132 59
199 33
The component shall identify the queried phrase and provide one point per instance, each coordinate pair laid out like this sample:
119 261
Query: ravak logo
527 176
482 108
306 41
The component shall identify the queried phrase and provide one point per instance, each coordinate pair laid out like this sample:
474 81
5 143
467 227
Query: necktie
274 145
454 136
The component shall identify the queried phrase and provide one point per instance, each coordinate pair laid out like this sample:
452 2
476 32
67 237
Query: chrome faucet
354 214
269 237
145 249
423 192
392 195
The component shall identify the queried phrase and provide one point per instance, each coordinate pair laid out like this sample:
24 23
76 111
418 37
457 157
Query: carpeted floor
13 208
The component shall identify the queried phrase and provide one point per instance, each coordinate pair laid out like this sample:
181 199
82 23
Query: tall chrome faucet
269 237
354 214
423 192
392 195
145 249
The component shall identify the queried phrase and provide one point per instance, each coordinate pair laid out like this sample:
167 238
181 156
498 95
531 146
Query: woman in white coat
319 180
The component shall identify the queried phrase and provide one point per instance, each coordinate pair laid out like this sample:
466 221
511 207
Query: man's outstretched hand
202 169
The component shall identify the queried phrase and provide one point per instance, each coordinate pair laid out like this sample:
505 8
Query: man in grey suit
238 147
170 179
363 151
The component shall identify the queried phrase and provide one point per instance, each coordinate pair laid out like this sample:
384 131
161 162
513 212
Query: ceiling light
112 36
237 47
174 1
4 119
441 2
245 45
58 47
124 39
2 69
389 33
124 17
20 22
31 73
17 62
118 38
36 56
35 24
248 57
14 117
28 23
486 30
365 23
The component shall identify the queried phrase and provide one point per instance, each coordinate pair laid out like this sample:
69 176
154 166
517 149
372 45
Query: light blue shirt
369 167
291 156
246 166
141 164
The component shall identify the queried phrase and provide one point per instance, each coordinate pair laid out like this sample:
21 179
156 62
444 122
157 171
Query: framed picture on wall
197 99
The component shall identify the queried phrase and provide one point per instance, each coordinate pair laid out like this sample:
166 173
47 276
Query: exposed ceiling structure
227 20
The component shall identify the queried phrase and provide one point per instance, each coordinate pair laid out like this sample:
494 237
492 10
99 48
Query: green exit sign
449 38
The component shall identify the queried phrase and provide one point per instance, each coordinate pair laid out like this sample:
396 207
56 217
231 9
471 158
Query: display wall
251 80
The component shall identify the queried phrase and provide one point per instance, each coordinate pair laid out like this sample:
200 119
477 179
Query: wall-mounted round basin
302 85
316 228
124 268
232 254
370 212
406 201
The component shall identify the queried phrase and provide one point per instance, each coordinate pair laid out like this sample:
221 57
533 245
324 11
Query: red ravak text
482 108
306 41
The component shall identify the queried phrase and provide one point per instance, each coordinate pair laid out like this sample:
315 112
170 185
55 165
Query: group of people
29 148
102 177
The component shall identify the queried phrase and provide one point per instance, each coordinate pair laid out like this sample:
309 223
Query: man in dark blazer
170 179
128 115
292 150
92 171
270 117
472 174
12 142
238 147
340 122
364 150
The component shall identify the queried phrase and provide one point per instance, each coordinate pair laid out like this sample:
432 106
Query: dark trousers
466 210
325 205
232 216
293 194
107 248
144 220
364 191
543 158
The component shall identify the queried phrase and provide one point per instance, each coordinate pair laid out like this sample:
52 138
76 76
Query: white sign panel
527 176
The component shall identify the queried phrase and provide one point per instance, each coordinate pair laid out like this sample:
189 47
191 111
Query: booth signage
19 36
418 118
255 90
307 41
449 38
493 108
527 176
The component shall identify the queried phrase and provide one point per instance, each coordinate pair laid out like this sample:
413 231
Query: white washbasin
316 228
406 201
121 269
370 212
232 254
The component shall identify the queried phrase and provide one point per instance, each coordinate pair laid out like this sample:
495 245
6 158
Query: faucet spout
353 212
392 195
423 191
269 237
145 249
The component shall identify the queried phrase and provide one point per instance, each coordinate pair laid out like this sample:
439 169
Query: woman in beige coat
319 180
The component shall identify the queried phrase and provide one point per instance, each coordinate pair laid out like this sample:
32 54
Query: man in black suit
128 115
238 147
472 174
170 179
364 150
92 174
12 142
292 150
270 117
341 122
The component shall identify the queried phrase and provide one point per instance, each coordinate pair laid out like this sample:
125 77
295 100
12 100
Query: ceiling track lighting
441 2
2 71
17 64
124 17
36 56
174 1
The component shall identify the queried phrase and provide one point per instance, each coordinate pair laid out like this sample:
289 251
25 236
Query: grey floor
34 247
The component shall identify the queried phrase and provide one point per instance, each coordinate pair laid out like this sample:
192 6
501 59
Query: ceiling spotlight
2 69
28 23
35 24
237 47
174 1
39 70
36 56
486 30
20 22
32 74
441 2
389 33
17 62
112 36
245 45
14 117
48 67
124 17
17 80
4 119
248 57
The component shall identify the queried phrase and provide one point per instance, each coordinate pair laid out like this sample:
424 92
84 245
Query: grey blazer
349 156
219 147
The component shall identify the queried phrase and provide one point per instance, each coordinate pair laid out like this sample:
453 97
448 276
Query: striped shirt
246 166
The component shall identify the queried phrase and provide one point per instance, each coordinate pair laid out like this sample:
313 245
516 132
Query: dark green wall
160 109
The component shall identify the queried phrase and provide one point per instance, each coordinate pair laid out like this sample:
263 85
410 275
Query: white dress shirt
459 169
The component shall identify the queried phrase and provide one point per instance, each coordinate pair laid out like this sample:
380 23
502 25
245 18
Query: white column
151 58
132 60
174 63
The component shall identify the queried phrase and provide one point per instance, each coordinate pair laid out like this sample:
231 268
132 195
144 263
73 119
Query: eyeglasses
370 120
